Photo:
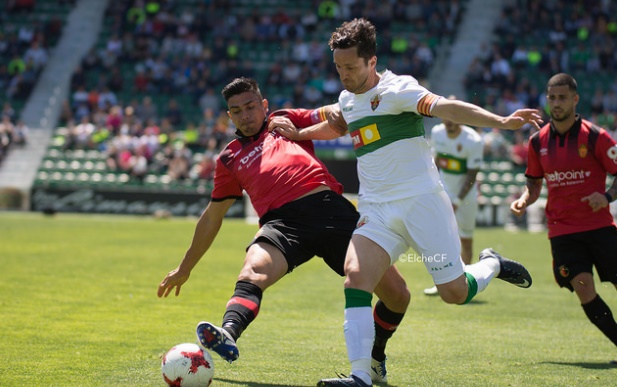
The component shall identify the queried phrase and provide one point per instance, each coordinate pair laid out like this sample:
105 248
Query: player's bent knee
452 294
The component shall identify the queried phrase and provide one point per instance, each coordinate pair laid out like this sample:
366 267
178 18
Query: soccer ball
187 365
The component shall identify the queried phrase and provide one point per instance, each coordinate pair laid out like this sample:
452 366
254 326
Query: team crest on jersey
459 147
564 271
582 151
375 102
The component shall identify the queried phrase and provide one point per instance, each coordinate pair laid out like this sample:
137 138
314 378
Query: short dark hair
359 33
562 79
239 86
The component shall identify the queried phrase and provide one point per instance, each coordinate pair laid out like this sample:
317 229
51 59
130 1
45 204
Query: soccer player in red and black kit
573 156
302 214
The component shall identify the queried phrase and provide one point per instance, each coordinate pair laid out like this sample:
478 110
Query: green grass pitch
78 307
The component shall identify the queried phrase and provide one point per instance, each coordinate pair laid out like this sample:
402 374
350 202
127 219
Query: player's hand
175 279
518 207
596 201
284 126
521 117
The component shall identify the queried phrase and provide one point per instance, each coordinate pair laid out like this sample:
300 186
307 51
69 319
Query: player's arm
470 180
533 187
470 114
599 200
332 127
474 161
207 228
605 151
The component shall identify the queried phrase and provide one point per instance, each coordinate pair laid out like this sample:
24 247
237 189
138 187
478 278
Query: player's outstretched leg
218 340
351 381
510 271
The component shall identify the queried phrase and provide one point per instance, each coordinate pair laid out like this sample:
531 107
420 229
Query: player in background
302 214
458 150
402 201
574 156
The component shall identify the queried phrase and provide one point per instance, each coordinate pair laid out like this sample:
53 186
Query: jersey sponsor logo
543 151
365 136
348 108
251 156
567 177
582 151
375 102
448 164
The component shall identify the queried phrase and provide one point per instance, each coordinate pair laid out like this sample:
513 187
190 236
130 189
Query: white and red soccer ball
187 365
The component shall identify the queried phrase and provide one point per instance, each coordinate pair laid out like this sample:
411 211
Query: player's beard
359 89
561 116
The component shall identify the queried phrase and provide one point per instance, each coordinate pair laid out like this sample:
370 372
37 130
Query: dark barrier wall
123 202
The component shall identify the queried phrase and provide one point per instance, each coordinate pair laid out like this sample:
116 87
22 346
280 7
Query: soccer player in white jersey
457 150
402 201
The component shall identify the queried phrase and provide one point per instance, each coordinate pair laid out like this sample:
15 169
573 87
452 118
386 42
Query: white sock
359 336
483 271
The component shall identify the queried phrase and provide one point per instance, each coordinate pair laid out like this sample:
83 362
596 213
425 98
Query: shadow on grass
255 384
590 366
476 302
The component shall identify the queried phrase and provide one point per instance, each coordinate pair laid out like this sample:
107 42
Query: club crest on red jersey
582 151
375 102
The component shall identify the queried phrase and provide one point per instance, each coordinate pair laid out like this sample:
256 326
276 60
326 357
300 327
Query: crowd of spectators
25 39
165 60
13 132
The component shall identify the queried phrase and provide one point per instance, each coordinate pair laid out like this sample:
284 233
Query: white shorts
466 215
425 223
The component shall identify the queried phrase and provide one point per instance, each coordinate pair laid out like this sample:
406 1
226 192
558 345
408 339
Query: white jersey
387 130
454 156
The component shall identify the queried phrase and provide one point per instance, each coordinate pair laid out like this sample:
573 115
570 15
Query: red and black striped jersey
574 165
271 168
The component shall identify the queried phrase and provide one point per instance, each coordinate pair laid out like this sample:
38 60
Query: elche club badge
375 102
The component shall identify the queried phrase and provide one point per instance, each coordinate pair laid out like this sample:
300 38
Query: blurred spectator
178 168
80 135
496 146
519 150
20 133
138 163
107 98
36 55
146 110
204 170
210 100
174 113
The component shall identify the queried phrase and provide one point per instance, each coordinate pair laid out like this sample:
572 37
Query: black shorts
316 225
579 252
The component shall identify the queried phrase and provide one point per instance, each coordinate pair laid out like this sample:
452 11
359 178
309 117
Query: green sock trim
472 288
356 298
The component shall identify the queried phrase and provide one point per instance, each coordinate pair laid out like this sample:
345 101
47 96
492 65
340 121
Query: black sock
600 315
242 308
386 322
